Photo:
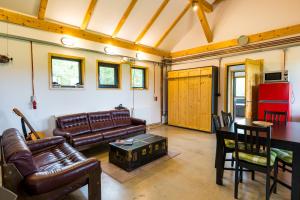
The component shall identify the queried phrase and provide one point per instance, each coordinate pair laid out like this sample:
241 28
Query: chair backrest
275 117
227 118
256 141
216 122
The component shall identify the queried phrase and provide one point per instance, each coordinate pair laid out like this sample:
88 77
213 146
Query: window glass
138 77
240 86
66 72
108 75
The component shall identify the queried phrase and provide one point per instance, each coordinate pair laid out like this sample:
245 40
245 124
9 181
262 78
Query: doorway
235 97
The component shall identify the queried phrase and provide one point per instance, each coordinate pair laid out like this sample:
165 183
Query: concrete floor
189 176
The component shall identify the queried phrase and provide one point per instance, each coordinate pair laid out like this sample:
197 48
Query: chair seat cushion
284 155
255 159
135 128
58 157
229 143
115 132
87 139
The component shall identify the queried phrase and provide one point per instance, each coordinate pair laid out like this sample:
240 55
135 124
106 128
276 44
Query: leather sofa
46 169
85 130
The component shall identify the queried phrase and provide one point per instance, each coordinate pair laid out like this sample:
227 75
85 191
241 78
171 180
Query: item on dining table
262 123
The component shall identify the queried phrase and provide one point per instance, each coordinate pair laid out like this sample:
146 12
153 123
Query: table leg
219 160
296 174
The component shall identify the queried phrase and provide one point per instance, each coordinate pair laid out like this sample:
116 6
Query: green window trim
108 75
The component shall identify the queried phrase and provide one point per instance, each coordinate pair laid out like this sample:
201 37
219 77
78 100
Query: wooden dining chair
228 144
275 117
227 118
285 157
252 155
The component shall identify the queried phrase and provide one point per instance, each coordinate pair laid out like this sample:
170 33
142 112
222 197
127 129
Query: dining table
284 136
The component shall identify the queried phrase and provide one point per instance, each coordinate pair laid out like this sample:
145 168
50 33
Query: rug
122 176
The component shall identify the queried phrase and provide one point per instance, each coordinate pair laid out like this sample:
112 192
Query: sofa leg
95 185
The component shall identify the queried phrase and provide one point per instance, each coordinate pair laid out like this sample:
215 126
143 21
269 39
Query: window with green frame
138 78
108 75
66 72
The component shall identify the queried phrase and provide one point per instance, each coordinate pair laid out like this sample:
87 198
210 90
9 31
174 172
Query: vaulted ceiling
146 22
168 25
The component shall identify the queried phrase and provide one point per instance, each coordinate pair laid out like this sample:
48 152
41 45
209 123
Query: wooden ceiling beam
187 7
42 9
88 14
207 7
152 20
204 23
124 17
258 37
54 27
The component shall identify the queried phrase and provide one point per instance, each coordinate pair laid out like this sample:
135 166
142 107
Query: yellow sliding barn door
194 114
173 98
183 83
206 99
253 71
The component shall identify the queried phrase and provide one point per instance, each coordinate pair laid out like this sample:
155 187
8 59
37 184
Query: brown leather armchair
46 169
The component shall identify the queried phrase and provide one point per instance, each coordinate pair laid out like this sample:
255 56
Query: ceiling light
109 50
68 41
195 5
140 56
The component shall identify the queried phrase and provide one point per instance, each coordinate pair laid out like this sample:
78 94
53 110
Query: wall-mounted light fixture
140 56
195 5
109 50
68 41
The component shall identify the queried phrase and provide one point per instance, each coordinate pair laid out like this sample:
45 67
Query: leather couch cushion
121 117
115 132
85 139
58 157
100 121
17 152
134 129
75 124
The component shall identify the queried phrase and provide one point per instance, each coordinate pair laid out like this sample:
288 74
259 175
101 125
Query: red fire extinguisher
34 103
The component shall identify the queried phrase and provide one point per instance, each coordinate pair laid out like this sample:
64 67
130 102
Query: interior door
253 70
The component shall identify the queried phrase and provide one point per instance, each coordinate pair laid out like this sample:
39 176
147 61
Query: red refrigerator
274 97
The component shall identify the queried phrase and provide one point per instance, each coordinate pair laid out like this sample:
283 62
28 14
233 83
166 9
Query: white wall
273 60
15 88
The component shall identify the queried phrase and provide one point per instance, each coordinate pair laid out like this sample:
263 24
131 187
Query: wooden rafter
88 14
217 2
42 9
54 27
152 20
204 23
258 37
187 7
124 17
206 6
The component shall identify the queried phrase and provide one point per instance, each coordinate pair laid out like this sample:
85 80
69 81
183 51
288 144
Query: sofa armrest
65 134
136 121
46 181
37 145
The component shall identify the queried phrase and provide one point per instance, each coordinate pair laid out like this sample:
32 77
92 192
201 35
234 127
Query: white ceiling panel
164 21
180 30
107 15
29 7
67 11
138 19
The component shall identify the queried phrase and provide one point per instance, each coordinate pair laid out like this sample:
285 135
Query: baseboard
153 125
